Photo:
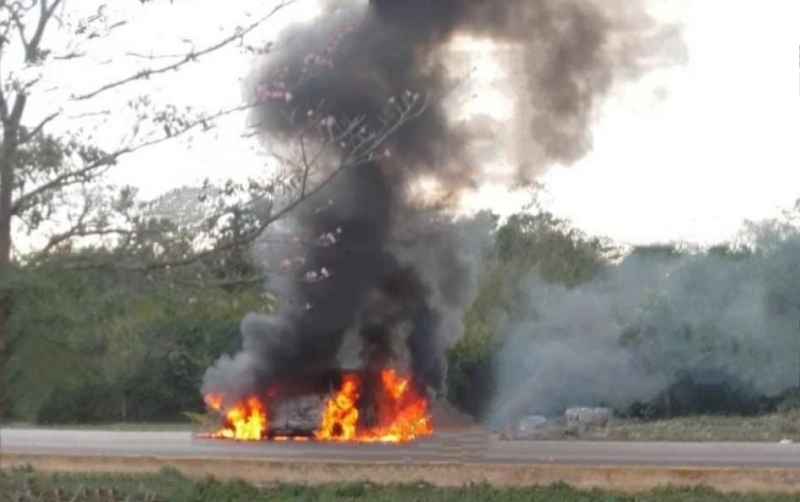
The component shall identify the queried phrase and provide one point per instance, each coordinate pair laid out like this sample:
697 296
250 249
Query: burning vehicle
331 407
394 270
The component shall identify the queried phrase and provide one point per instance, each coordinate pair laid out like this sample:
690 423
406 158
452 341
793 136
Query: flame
340 415
401 414
246 421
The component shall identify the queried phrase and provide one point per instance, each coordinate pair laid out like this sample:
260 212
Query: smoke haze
397 267
647 324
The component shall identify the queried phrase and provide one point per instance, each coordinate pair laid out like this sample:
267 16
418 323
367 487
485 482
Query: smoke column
401 271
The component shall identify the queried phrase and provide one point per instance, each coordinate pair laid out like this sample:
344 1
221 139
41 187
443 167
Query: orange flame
402 415
245 421
340 415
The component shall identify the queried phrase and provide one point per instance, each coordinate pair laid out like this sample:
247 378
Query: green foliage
470 369
549 246
781 270
41 160
99 344
91 345
171 485
212 490
789 401
41 330
537 245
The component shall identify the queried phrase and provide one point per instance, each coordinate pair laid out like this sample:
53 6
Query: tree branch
65 179
32 46
406 114
192 56
38 128
91 170
57 239
32 49
16 112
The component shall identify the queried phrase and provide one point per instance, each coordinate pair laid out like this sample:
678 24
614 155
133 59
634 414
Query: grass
194 422
24 485
134 427
772 427
769 428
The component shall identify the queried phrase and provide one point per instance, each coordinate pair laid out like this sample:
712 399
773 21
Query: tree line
109 344
104 344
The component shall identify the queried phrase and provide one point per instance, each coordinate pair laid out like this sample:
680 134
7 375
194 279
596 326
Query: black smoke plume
401 271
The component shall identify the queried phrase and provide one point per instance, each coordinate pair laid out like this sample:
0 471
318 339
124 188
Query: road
444 446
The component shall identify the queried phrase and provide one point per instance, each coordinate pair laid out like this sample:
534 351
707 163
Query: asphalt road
443 446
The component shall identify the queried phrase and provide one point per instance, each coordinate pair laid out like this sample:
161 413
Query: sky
687 153
722 147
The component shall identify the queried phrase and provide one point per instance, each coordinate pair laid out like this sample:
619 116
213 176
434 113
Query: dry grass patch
446 475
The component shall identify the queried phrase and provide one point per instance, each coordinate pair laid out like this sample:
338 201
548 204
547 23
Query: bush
703 392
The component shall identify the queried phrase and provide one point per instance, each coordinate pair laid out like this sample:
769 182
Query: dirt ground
630 479
445 416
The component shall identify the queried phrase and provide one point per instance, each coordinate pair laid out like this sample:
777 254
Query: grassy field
770 428
144 427
24 485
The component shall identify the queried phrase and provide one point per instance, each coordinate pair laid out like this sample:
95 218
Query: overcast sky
684 154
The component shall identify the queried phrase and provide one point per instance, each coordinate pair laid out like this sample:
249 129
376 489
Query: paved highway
466 446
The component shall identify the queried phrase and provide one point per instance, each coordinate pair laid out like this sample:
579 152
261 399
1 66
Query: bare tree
51 184
40 172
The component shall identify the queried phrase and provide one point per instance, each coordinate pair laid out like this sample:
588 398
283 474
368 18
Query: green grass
25 485
193 422
136 427
770 428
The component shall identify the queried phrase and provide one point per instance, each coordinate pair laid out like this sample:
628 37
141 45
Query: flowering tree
53 177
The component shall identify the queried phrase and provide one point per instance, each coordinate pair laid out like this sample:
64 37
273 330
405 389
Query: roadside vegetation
771 428
25 485
93 347
767 428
